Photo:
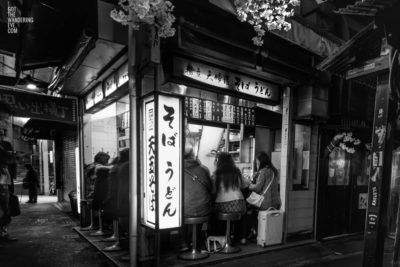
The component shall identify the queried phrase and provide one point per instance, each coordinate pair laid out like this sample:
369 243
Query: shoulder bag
257 199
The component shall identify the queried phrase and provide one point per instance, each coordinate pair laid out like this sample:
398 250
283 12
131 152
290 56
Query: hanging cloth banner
37 106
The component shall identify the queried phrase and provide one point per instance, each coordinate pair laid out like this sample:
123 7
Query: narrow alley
46 239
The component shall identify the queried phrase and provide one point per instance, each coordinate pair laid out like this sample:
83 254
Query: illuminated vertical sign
162 162
149 166
169 162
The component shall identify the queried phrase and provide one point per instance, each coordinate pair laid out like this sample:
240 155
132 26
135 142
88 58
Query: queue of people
225 191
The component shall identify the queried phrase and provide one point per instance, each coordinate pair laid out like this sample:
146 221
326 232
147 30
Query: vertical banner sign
162 162
379 180
286 121
149 164
169 162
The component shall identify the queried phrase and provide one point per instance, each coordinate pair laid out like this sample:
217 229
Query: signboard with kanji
226 80
162 162
38 106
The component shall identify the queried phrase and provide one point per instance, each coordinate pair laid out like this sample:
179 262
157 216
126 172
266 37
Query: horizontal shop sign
368 67
108 88
218 112
224 79
37 106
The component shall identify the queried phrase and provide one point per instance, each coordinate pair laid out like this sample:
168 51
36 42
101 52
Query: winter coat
123 190
100 186
197 190
272 197
31 179
110 202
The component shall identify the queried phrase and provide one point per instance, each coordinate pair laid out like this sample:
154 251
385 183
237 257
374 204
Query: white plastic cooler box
270 223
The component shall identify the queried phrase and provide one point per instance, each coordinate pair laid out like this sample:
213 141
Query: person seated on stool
227 184
197 194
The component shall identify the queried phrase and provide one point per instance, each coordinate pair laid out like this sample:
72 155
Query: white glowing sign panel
89 101
225 79
98 94
110 85
169 162
149 164
123 75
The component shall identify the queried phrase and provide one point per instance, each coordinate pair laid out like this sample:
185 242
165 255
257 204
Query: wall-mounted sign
98 94
110 85
218 112
224 79
123 75
162 162
39 106
107 92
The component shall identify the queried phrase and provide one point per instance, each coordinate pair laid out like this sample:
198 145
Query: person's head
226 172
188 154
5 117
28 166
264 161
124 155
115 161
101 158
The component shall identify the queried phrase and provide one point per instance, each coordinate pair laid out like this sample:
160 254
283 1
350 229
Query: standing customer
6 180
32 181
266 175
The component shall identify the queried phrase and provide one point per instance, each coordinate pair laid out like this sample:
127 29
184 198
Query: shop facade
227 96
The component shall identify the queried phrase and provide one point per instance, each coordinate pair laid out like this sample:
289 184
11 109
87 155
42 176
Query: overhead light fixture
31 86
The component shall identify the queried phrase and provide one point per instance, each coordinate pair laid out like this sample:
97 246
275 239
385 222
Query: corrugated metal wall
69 142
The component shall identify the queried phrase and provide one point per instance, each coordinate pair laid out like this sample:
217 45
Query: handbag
14 206
256 199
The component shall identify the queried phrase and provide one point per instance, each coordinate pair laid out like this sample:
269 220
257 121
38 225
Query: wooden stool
194 254
228 217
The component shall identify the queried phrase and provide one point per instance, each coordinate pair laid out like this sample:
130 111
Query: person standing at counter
266 175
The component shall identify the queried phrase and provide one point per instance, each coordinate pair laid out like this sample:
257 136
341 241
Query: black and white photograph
187 133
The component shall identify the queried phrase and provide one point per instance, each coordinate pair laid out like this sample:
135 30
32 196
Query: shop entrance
342 189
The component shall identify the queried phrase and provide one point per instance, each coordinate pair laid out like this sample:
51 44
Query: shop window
301 157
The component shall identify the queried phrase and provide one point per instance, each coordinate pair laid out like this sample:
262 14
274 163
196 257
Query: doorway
342 189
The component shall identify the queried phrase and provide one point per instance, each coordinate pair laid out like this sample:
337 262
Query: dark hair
265 162
102 158
227 173
5 107
28 166
124 155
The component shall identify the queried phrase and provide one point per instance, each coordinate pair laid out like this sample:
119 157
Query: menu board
218 112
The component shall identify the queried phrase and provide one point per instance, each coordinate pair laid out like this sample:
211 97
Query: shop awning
302 35
363 46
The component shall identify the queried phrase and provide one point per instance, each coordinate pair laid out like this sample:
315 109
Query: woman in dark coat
32 182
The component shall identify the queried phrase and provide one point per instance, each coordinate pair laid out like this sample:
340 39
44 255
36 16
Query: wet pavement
46 239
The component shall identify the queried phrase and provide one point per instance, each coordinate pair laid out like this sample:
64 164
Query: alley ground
46 239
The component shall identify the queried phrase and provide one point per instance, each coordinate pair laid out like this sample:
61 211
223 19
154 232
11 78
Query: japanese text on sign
169 162
149 164
40 106
226 79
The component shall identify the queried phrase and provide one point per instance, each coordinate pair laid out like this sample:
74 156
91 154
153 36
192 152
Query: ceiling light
31 86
